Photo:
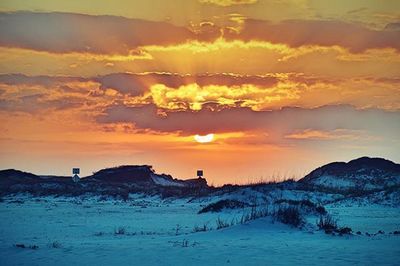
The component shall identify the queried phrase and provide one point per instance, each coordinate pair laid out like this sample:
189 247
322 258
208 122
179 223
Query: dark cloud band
68 32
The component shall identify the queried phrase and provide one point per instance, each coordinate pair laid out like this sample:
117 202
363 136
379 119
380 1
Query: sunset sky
284 85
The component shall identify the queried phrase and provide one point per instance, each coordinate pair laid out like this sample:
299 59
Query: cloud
136 84
111 35
122 82
395 26
225 3
46 81
39 103
39 94
277 123
66 32
296 33
337 134
21 93
193 96
174 92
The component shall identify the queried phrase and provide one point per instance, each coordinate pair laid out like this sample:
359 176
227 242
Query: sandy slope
86 232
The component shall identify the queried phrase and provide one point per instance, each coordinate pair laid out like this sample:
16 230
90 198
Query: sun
204 138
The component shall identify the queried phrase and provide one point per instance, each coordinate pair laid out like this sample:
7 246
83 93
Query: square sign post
200 173
75 174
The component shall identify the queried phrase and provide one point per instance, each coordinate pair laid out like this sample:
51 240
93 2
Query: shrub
34 247
307 203
344 230
290 215
223 204
253 215
120 231
17 201
203 228
177 229
56 244
327 223
321 210
221 224
124 195
185 243
304 204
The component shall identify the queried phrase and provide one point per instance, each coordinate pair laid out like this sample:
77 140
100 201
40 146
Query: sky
246 90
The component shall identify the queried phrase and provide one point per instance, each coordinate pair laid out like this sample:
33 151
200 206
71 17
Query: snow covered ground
151 231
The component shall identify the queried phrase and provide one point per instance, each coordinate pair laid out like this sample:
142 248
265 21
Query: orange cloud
253 58
193 96
337 134
173 92
68 33
226 3
296 33
277 123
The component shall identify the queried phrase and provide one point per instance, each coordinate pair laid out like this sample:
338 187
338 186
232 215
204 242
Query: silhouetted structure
199 173
75 173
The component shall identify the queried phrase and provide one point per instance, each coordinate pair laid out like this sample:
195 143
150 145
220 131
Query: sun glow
205 138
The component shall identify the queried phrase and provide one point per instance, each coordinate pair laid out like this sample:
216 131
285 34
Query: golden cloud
171 92
193 96
220 56
226 3
337 134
